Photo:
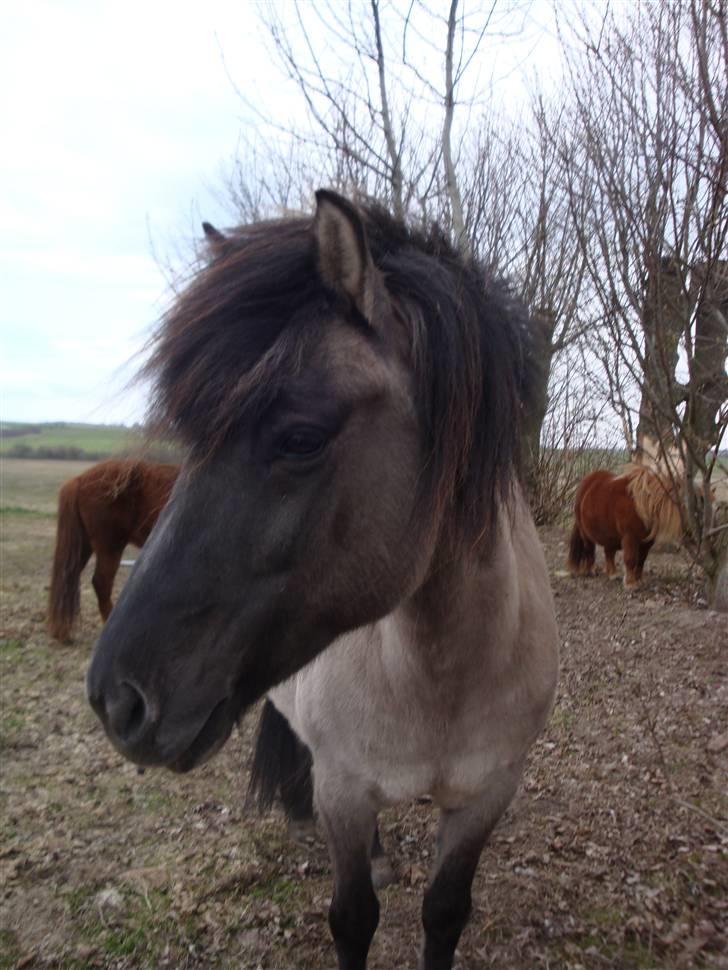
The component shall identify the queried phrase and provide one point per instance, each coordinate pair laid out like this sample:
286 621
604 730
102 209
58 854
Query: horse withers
101 511
347 535
630 512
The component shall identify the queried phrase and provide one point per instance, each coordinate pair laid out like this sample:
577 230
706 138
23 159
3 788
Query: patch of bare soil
613 855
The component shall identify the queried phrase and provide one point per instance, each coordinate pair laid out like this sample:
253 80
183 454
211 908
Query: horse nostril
97 702
128 714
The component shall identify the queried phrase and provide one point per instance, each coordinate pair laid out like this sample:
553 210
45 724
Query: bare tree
647 175
573 441
396 90
392 113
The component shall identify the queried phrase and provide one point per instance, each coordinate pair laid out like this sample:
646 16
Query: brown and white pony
630 512
348 536
101 511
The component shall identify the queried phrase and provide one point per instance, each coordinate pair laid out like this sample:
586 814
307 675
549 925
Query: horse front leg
349 822
105 570
631 555
460 840
644 550
297 799
610 565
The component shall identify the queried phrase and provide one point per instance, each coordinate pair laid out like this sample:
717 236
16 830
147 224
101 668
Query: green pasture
95 439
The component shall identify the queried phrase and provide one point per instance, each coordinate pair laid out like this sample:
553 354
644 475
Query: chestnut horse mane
234 336
123 470
654 500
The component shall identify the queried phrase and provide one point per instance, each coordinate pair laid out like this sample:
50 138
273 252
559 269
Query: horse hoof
383 874
302 831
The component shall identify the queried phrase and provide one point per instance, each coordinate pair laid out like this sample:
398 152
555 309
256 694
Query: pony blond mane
655 503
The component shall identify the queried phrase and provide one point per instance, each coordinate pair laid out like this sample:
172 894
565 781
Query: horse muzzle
143 732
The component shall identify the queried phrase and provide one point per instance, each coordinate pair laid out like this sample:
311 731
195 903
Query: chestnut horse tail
578 550
73 550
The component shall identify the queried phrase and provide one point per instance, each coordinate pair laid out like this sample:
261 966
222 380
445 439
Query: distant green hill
75 441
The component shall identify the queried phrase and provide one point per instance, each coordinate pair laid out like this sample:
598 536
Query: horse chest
401 742
443 763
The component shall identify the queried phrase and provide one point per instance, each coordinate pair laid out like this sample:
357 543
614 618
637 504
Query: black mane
226 346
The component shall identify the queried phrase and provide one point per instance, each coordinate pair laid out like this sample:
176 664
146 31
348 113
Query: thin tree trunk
453 190
543 323
718 573
708 389
663 321
705 415
395 159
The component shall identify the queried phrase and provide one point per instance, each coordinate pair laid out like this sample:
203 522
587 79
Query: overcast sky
118 121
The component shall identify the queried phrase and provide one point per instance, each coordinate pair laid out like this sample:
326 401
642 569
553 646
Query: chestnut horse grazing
629 512
102 510
349 537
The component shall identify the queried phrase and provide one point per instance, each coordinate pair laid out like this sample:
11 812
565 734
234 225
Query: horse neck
470 594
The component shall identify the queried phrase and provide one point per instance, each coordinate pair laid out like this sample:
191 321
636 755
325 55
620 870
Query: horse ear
217 241
344 260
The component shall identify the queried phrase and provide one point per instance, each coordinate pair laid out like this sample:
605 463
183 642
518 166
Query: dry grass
612 856
33 484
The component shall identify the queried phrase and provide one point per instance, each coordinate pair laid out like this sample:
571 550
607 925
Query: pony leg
349 826
107 566
631 553
587 566
297 799
460 840
282 764
610 565
644 550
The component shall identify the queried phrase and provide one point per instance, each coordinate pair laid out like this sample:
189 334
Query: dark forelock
230 341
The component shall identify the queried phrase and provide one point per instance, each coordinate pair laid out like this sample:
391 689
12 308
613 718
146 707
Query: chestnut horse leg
107 566
644 549
631 551
610 565
587 565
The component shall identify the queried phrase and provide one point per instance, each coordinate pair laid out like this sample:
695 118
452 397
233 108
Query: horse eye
302 443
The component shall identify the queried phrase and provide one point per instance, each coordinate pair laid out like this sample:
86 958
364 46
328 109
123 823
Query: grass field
31 485
95 439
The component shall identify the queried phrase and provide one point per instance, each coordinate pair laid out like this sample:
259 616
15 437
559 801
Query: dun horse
629 512
101 511
348 536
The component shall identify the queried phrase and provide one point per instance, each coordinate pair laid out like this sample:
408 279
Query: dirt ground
613 855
